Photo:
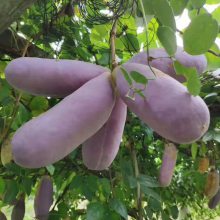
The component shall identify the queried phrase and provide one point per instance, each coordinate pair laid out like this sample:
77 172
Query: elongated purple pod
2 216
44 198
214 201
159 59
18 210
54 134
50 77
168 165
100 150
167 107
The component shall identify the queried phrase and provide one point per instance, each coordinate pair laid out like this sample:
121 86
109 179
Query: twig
60 197
136 170
6 131
25 49
2 59
13 116
111 182
214 53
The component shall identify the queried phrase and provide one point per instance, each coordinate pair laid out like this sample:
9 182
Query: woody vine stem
6 131
131 145
112 44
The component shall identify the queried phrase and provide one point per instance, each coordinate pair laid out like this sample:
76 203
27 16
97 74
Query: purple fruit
2 216
100 150
50 77
43 198
167 107
18 211
54 134
168 165
214 201
160 60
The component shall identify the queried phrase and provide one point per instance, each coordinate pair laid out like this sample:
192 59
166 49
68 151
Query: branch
6 131
13 45
11 10
136 170
61 196
111 182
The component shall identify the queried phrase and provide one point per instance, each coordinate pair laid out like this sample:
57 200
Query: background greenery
75 30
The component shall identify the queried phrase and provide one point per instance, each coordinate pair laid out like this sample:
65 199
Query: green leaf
165 216
126 76
167 38
119 207
208 136
140 93
63 208
148 7
5 90
27 185
103 59
138 77
150 193
178 6
216 14
203 149
174 212
105 186
213 61
54 215
11 191
211 97
39 103
147 181
197 3
212 2
130 42
200 34
154 204
102 30
2 66
164 13
217 137
193 82
194 13
212 135
128 173
50 169
95 211
194 150
2 185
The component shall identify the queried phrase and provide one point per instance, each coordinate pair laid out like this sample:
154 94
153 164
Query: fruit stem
112 44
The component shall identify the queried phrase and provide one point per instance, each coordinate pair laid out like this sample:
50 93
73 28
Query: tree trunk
11 10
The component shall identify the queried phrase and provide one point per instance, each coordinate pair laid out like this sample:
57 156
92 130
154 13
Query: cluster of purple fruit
93 112
42 202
